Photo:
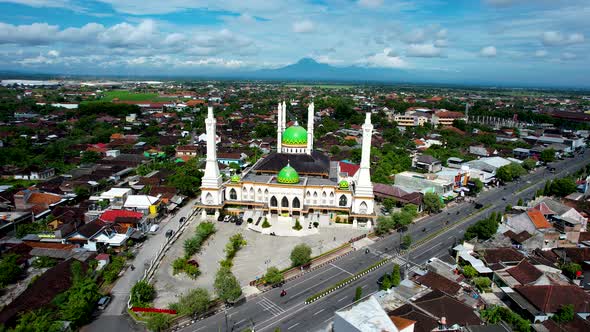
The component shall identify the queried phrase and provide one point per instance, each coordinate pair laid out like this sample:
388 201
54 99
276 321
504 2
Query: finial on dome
296 123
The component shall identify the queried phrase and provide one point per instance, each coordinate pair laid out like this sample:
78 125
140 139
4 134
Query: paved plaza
250 262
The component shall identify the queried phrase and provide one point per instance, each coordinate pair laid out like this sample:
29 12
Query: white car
154 228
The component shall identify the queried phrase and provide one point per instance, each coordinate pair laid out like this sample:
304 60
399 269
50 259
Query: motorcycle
283 293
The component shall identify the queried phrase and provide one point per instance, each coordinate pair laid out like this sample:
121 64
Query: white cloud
370 3
441 43
304 26
53 53
423 51
541 53
385 59
554 38
488 51
327 60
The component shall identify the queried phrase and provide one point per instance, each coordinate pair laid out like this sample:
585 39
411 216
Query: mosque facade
295 180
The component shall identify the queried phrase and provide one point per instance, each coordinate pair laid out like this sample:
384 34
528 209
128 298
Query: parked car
221 217
154 228
104 302
239 221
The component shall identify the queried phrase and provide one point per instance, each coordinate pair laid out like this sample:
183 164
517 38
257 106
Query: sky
506 41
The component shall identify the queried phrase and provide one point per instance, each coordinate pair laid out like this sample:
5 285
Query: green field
127 95
321 86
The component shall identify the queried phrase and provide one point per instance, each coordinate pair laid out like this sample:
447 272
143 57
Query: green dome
288 175
295 135
235 178
343 184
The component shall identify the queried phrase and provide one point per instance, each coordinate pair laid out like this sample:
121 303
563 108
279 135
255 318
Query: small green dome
295 135
288 175
343 184
235 178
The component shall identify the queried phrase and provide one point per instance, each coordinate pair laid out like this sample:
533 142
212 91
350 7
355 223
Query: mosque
295 182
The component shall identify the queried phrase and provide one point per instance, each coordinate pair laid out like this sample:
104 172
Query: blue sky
506 41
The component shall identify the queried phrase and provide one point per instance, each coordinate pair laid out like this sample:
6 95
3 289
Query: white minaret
211 182
310 115
364 187
280 128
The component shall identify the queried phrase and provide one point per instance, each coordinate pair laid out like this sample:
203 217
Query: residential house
32 199
427 163
35 173
482 151
424 183
542 302
148 205
186 152
232 157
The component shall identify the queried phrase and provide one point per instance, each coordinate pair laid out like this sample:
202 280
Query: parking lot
250 262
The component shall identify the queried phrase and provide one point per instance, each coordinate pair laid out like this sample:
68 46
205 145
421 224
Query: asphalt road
268 310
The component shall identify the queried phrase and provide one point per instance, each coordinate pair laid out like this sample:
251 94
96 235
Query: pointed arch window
273 201
343 200
209 199
233 194
285 202
296 203
363 208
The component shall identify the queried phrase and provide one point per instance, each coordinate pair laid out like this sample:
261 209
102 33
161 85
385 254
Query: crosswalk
270 306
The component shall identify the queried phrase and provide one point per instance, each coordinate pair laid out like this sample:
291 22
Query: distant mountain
309 69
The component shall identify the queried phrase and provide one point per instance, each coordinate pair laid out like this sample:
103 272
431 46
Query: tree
41 320
388 203
265 223
273 276
406 241
547 155
520 202
358 293
297 226
226 285
301 254
564 314
77 303
483 229
386 282
571 269
90 157
504 174
529 164
432 202
396 276
196 301
9 269
142 293
236 242
562 187
158 322
482 283
477 185
469 271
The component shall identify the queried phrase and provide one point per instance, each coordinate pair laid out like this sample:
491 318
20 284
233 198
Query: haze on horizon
543 42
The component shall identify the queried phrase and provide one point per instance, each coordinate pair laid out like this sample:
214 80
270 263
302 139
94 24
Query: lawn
127 95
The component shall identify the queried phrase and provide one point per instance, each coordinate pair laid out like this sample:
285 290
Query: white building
295 181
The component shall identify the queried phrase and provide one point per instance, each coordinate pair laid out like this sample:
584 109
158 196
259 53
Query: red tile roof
525 272
111 215
545 210
497 255
549 299
436 281
538 219
348 168
43 198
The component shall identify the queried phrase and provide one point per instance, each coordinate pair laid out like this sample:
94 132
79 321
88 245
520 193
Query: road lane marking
363 286
341 269
308 288
307 279
292 326
243 320
342 299
317 312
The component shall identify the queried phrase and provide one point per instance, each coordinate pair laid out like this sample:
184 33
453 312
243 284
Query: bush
406 241
43 262
9 269
250 220
196 301
236 242
570 269
158 322
483 229
181 265
193 245
564 314
273 276
110 273
142 294
301 254
496 314
396 276
297 226
482 283
226 285
358 293
386 282
265 223
432 203
469 271
316 224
